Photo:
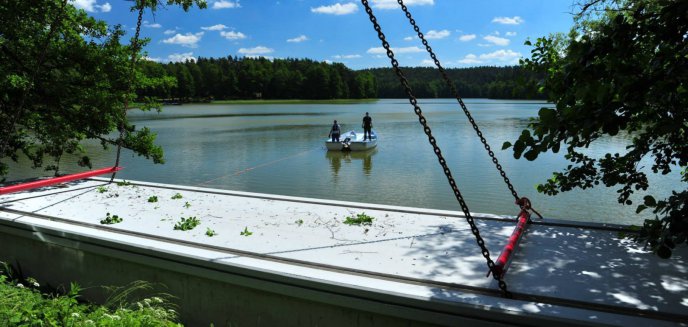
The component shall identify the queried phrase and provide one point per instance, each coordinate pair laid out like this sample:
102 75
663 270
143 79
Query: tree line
259 78
252 78
511 82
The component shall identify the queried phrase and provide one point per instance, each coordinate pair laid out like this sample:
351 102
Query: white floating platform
301 265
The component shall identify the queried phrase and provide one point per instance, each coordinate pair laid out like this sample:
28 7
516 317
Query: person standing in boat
335 131
367 127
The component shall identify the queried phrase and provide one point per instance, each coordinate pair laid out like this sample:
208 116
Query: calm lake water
279 149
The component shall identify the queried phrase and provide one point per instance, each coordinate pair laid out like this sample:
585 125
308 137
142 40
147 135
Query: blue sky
463 33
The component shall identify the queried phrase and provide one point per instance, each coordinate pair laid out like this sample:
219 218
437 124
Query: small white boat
352 141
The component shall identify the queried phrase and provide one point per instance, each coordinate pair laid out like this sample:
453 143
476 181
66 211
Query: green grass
330 101
109 220
187 223
246 232
360 219
22 303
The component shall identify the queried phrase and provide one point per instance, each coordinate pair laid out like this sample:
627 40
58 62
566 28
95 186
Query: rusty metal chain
134 52
455 93
438 152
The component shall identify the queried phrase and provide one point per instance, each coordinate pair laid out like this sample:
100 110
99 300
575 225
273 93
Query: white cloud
223 4
497 40
105 8
188 40
181 57
381 50
175 57
427 62
408 38
351 56
259 50
217 27
392 4
499 57
298 39
467 37
91 5
516 20
336 9
149 25
470 59
231 35
432 34
510 33
168 32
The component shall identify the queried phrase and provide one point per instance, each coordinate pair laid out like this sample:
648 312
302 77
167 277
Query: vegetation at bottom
24 302
360 219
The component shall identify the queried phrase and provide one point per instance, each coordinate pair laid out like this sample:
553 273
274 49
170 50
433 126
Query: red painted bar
57 180
505 256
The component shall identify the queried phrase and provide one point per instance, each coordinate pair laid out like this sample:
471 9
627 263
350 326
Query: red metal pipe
504 258
56 180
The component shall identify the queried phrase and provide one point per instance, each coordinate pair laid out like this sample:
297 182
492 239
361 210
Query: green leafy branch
187 223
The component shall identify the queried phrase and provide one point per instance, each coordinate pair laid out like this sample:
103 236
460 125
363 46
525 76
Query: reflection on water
279 149
336 158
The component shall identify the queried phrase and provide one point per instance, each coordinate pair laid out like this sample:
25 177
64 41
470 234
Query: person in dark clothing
367 127
334 132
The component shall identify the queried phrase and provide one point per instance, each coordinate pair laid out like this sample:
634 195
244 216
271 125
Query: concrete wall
204 295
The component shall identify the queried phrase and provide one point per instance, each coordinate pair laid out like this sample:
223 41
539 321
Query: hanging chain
438 152
455 93
134 53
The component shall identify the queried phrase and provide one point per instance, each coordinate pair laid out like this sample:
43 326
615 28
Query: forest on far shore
232 78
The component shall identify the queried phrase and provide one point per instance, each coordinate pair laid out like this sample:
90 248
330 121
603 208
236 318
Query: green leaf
547 116
506 145
650 201
531 154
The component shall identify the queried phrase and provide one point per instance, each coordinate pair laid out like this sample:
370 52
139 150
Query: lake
279 149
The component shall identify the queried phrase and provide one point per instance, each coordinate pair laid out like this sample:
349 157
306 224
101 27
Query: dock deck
414 265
